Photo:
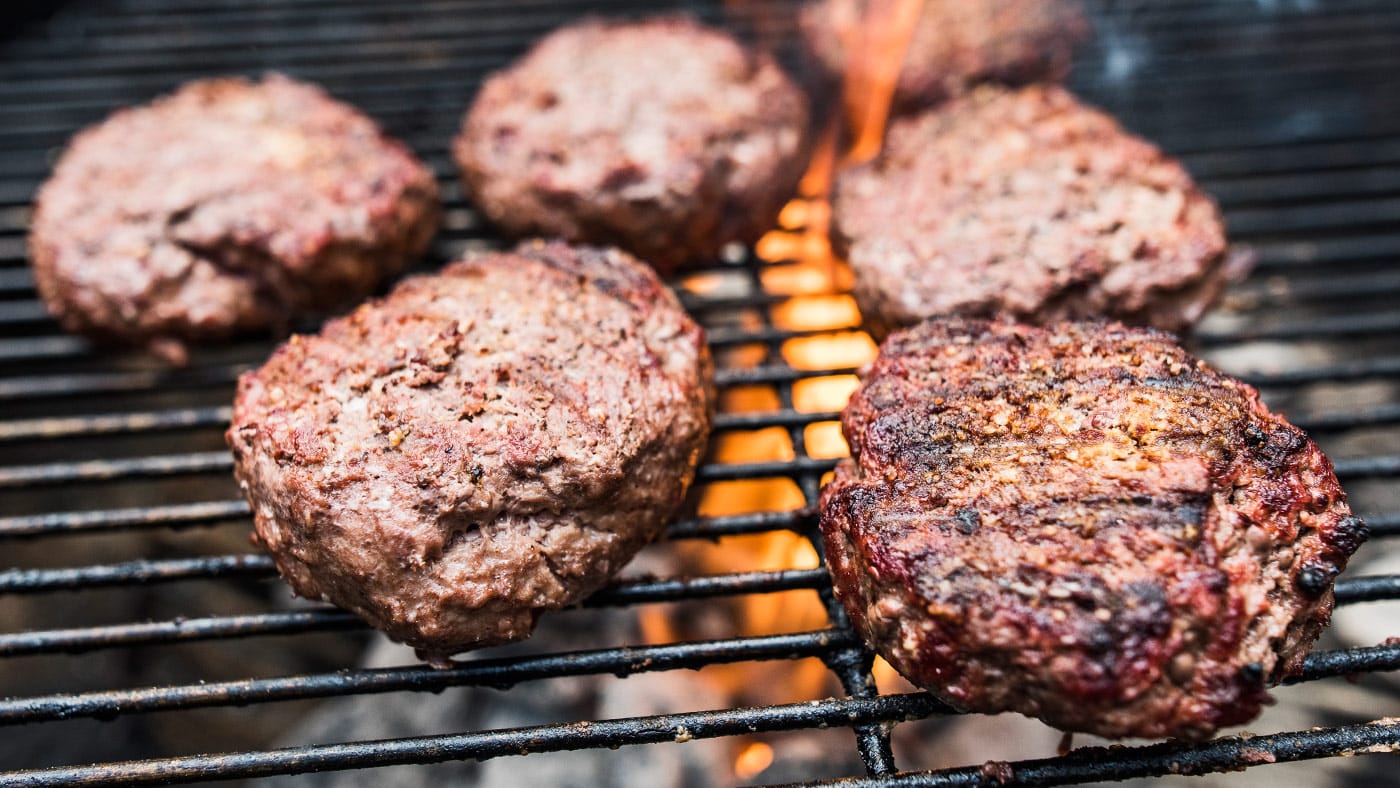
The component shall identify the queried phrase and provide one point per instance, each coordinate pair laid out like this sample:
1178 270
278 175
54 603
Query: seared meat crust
1081 523
664 137
227 206
480 445
1028 204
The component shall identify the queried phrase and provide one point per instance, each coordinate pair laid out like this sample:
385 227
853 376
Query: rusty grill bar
1316 192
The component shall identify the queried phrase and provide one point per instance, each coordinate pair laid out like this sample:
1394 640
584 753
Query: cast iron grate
1286 111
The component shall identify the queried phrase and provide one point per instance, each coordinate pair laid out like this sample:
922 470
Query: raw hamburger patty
665 137
957 44
1081 523
480 445
225 207
1029 204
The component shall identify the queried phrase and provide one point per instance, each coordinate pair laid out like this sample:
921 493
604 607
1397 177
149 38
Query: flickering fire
816 284
875 43
753 759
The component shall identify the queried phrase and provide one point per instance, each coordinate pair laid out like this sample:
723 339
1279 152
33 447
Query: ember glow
815 287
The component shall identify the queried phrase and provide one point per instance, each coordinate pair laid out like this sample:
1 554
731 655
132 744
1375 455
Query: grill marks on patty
1081 523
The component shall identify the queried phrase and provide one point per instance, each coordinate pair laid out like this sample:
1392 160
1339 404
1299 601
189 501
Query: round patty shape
664 137
1027 203
227 206
957 44
1081 523
480 445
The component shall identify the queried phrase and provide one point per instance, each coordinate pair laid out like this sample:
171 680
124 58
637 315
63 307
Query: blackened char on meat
1081 523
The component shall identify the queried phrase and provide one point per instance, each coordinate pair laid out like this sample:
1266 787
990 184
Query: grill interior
128 589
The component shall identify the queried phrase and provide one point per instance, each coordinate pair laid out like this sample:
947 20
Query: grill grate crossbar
491 744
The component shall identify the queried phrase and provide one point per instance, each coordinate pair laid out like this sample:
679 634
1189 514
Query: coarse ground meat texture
479 446
956 44
1081 523
228 206
664 137
1028 204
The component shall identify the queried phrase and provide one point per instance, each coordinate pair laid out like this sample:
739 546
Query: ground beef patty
665 137
225 207
1081 523
1029 204
957 44
480 445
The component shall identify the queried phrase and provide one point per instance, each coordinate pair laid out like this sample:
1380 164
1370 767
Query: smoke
1122 51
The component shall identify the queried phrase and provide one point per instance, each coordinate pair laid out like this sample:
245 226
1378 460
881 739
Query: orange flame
802 267
752 760
875 45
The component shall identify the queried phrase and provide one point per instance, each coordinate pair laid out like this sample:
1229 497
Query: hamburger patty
1081 523
479 446
956 44
664 137
1029 204
227 206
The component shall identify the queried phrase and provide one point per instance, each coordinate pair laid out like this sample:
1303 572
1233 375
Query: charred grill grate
1287 112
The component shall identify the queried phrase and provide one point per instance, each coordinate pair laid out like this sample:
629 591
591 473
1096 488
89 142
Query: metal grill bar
112 423
1349 468
499 673
490 744
168 516
42 348
85 639
1093 764
29 581
46 386
25 581
1319 328
1367 589
107 470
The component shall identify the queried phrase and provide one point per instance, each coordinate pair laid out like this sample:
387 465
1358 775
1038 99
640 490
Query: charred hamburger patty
226 206
956 44
1029 204
1081 523
479 446
664 137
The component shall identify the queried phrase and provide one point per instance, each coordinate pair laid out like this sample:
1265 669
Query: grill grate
1286 112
